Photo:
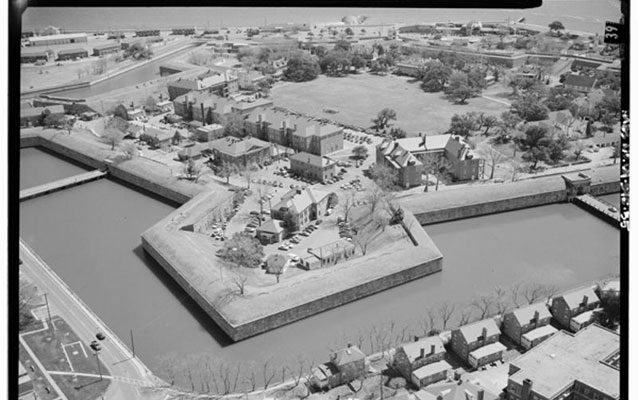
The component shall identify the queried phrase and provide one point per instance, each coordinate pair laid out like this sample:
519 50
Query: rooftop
57 37
72 51
576 297
564 358
36 111
397 155
347 355
456 391
311 159
298 200
107 46
413 350
488 350
431 369
525 314
238 147
585 317
579 80
473 331
432 143
540 332
271 226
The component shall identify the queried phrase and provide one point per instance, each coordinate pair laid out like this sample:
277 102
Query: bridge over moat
60 184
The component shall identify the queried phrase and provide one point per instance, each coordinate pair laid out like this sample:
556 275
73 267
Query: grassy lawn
358 98
81 387
37 377
62 350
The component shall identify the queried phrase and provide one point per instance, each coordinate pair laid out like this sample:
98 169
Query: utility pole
99 369
46 299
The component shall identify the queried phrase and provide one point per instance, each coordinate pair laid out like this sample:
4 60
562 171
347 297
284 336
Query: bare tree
348 203
267 378
446 310
500 300
129 150
240 280
112 136
492 156
248 172
484 305
578 147
466 316
533 293
374 197
515 294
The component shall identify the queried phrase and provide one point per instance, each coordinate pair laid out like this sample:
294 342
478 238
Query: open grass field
358 98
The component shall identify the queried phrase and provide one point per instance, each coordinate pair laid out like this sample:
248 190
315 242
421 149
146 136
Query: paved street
127 374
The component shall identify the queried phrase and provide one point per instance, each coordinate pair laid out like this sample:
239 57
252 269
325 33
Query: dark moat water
90 235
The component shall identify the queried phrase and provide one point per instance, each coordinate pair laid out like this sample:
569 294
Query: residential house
133 131
193 151
412 356
129 114
567 306
299 207
32 116
241 152
156 137
300 133
610 288
207 133
72 54
271 231
580 366
413 69
431 373
409 169
461 390
105 49
528 325
469 339
345 366
312 166
328 255
580 83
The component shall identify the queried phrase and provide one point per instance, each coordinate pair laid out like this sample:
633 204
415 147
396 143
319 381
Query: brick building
312 166
72 54
470 338
525 324
241 152
35 56
300 207
567 306
105 49
412 356
581 366
345 365
409 169
221 83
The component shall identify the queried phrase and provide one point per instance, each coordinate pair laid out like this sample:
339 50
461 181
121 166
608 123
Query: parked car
250 230
96 346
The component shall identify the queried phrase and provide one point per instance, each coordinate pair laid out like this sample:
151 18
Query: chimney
527 389
283 124
185 99
416 338
536 316
432 349
585 300
260 118
484 332
349 344
201 106
480 394
422 355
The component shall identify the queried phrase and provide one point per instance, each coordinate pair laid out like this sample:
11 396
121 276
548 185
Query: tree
398 133
301 67
608 105
349 31
446 310
360 152
336 63
578 147
348 203
429 166
484 305
384 117
227 170
608 120
333 200
357 62
535 143
192 171
129 150
54 120
529 108
385 177
275 265
436 76
235 126
556 26
459 89
487 121
320 51
476 79
442 168
492 156
112 136
177 138
557 148
462 125
242 250
150 103
342 45
247 172
560 98
510 120
26 294
609 316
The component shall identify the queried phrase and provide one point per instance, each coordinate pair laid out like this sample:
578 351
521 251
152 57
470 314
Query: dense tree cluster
539 145
530 108
302 67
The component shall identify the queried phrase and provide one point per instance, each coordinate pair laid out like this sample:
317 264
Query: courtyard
358 98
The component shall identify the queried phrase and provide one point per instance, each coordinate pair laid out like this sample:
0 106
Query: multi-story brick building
345 365
467 342
431 373
312 166
528 325
300 207
221 83
409 169
567 306
581 366
241 152
412 356
301 134
210 108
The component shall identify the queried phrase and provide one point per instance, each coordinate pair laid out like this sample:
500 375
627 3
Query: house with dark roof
300 207
210 81
477 343
105 49
528 325
409 169
241 152
156 137
580 366
312 166
72 54
580 83
34 56
570 305
133 131
207 133
412 356
345 366
129 114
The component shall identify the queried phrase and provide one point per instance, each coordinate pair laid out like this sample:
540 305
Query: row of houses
423 361
407 157
28 57
211 81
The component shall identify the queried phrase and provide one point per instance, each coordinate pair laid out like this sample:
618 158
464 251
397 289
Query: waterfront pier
60 184
599 207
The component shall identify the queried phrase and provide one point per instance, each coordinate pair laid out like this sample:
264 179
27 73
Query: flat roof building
585 365
72 54
58 39
106 49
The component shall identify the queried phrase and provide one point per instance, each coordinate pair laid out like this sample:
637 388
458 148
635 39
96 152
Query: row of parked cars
345 230
358 139
256 216
353 184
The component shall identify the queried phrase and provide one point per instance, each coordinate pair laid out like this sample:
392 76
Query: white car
294 257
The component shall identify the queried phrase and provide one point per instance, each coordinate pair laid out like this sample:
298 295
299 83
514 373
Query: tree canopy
459 88
530 108
462 125
435 76
242 250
360 152
302 67
557 26
560 98
384 117
384 176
